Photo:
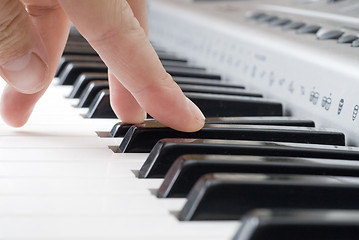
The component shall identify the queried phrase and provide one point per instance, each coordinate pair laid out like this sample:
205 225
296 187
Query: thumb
22 54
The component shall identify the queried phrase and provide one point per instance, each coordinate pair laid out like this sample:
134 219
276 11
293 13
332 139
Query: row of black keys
82 68
238 176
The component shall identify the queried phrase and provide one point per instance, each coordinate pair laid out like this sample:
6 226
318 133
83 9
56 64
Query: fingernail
196 112
26 73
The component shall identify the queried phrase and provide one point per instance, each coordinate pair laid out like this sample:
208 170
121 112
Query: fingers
23 58
124 104
50 25
117 36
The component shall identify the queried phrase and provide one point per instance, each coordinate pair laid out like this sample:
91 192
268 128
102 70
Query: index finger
114 32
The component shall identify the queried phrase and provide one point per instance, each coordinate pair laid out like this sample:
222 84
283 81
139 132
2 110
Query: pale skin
34 33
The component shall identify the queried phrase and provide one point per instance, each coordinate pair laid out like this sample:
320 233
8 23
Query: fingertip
13 118
193 119
198 119
138 117
14 109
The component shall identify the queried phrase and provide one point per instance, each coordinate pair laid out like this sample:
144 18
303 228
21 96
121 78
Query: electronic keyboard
275 159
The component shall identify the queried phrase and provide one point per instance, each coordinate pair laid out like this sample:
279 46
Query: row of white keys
59 180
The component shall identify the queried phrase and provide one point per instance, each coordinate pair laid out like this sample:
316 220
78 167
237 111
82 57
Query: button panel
303 28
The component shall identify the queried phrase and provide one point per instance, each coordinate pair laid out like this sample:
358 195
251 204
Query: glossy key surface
173 71
217 90
66 59
83 80
187 169
230 196
89 94
142 137
100 106
71 72
205 82
218 105
166 151
264 224
120 129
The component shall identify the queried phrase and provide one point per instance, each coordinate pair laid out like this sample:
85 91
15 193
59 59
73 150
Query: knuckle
120 25
13 29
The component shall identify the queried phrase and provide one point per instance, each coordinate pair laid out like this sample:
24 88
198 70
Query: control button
257 15
355 43
310 29
267 18
334 34
280 22
347 39
293 25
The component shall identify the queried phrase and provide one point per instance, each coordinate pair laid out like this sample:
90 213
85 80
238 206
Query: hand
33 36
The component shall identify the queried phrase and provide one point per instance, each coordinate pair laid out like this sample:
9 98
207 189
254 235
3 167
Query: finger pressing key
115 33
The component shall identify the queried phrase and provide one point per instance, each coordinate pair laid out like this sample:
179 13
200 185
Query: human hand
33 36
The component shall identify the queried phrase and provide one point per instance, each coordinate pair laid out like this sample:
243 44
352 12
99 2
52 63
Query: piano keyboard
75 172
59 180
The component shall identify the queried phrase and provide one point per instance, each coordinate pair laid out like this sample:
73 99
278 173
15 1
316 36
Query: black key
217 105
66 59
90 92
170 63
83 80
293 25
205 82
171 57
175 65
218 90
81 44
75 36
230 196
76 50
142 137
334 34
347 39
100 107
191 73
166 151
120 129
69 75
309 29
187 169
267 224
274 121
